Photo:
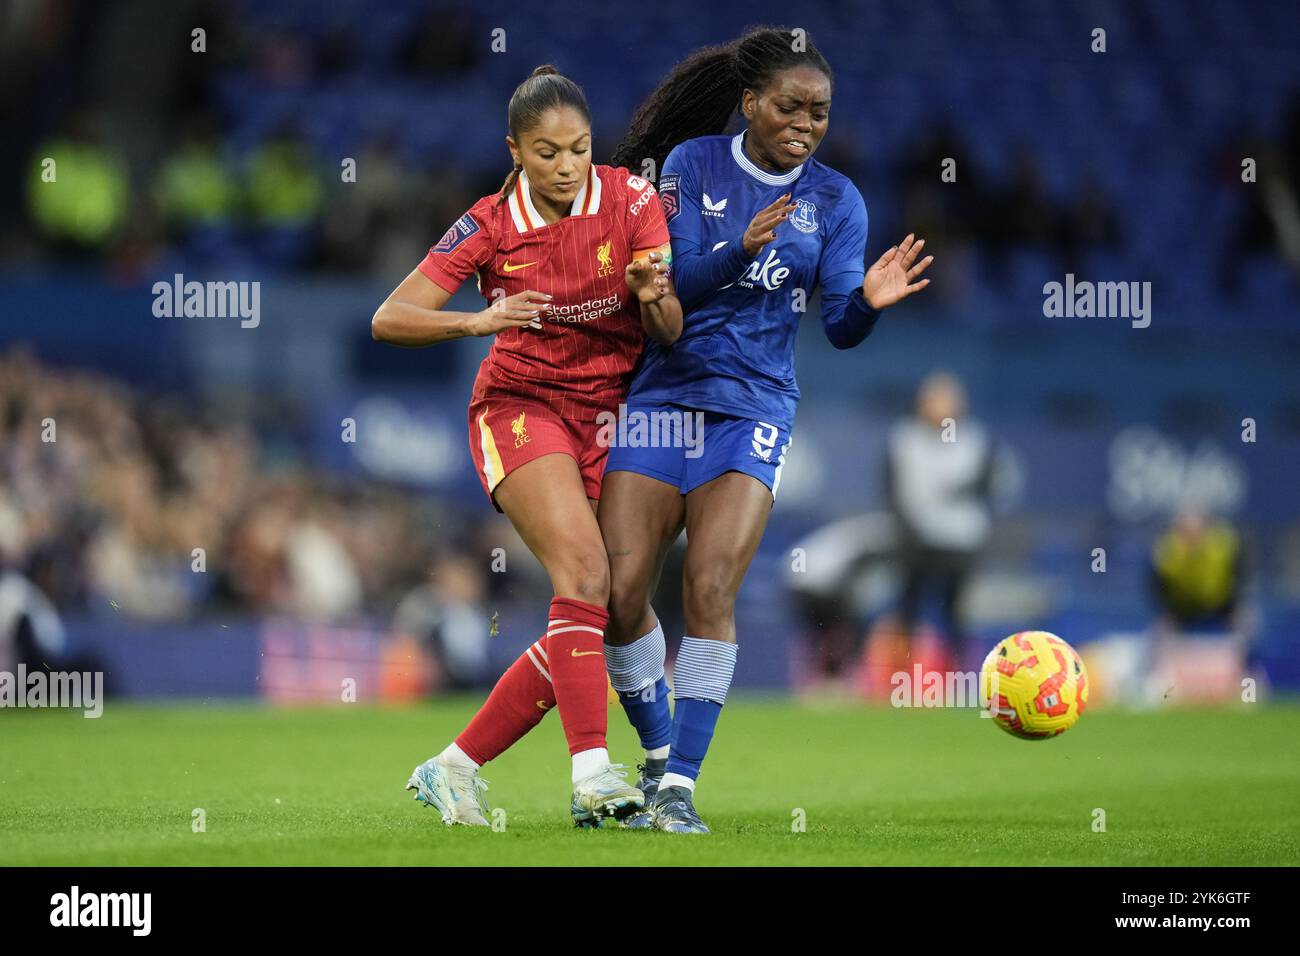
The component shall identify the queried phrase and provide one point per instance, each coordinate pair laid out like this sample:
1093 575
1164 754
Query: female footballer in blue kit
756 224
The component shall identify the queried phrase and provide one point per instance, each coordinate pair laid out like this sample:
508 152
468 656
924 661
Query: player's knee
583 573
593 585
709 594
627 608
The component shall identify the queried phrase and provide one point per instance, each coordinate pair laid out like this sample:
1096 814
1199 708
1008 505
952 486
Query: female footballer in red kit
573 259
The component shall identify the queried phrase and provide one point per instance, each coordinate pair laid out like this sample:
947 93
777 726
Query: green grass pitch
875 786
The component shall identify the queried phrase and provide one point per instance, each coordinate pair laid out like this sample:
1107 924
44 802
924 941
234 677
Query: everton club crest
804 218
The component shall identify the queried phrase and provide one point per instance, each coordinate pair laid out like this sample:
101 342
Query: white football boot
454 790
604 794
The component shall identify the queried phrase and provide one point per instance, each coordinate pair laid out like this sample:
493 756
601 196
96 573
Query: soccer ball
1036 685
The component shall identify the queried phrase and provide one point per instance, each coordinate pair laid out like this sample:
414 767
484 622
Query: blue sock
636 672
647 710
693 726
703 677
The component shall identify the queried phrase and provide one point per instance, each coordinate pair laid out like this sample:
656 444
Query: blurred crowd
106 492
159 169
178 171
282 206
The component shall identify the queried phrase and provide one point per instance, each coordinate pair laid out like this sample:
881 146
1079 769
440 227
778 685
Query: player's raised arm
413 315
852 299
697 272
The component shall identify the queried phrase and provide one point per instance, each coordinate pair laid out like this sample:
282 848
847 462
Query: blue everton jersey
736 351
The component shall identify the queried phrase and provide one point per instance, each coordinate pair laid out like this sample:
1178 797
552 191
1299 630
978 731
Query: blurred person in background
446 613
324 578
197 189
1269 222
32 633
939 484
851 580
1198 576
78 194
135 562
1199 646
284 186
285 196
359 215
952 219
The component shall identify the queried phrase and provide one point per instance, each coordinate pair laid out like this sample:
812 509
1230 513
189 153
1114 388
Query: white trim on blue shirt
762 175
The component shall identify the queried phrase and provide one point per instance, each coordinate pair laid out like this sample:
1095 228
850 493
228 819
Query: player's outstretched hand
647 278
511 312
762 229
892 277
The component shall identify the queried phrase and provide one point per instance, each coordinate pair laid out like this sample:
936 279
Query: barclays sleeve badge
460 230
668 195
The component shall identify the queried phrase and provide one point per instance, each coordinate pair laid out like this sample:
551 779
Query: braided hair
544 89
702 92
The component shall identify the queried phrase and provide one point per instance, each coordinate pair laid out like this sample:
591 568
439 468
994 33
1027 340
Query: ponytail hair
702 92
546 88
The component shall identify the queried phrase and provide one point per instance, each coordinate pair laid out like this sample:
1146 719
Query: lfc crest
605 257
520 430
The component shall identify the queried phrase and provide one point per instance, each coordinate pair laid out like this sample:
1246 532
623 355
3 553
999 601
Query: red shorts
506 432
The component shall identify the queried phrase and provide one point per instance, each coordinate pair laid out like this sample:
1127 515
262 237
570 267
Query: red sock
575 645
516 705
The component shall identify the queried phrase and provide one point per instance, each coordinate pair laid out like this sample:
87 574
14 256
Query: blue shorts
688 447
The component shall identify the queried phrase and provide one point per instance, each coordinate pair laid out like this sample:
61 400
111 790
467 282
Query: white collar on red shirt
525 214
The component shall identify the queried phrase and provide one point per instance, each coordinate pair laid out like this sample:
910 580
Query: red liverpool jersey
580 360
